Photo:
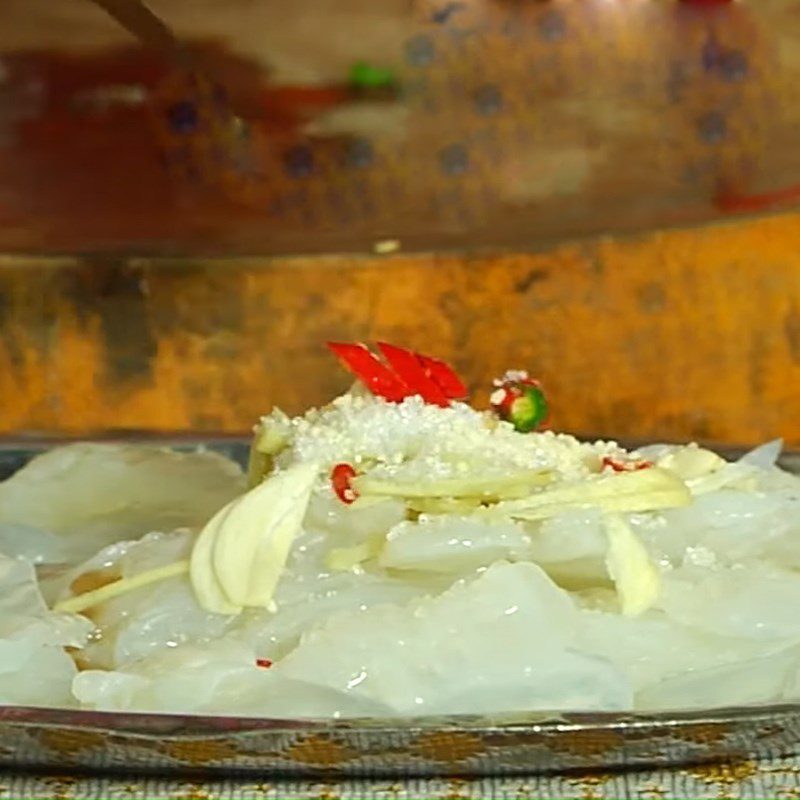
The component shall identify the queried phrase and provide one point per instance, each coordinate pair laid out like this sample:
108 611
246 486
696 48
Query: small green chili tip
521 401
529 410
367 76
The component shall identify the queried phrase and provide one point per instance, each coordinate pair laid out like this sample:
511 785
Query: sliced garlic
636 578
342 559
492 487
731 476
202 575
240 554
443 505
691 462
270 436
643 490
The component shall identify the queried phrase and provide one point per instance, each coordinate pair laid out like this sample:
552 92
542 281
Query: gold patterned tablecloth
775 778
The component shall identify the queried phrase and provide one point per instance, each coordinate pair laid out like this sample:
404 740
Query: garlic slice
207 590
732 476
691 462
644 490
238 557
636 577
499 486
270 436
342 559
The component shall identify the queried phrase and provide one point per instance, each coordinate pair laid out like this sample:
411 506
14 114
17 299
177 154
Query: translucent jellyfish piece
733 524
149 618
766 679
653 647
217 678
501 643
753 601
452 544
34 667
95 494
33 544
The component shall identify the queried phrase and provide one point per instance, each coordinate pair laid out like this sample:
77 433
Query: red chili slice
408 366
444 377
735 202
341 477
265 663
407 373
377 377
624 466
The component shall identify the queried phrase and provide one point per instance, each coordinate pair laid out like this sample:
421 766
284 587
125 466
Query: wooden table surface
523 144
502 125
682 334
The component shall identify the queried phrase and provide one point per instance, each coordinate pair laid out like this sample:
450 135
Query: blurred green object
367 76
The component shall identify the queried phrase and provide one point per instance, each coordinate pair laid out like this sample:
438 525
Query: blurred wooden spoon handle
146 26
153 32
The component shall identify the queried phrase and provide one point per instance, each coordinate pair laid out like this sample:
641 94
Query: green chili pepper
367 76
520 400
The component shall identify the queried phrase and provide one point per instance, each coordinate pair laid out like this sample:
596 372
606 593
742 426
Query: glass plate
464 745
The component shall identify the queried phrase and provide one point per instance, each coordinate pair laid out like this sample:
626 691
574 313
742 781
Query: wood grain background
681 334
508 124
516 139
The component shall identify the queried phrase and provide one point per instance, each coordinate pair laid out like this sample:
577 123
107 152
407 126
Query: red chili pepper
734 202
378 378
408 373
624 466
409 367
265 663
445 377
341 477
